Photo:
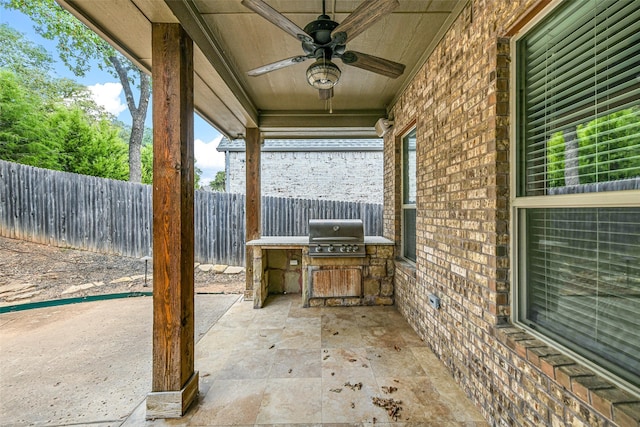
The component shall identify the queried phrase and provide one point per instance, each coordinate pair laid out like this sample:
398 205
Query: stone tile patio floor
288 365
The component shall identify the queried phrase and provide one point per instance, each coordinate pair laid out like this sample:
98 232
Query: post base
172 404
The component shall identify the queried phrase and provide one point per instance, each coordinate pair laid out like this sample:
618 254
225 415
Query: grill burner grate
336 238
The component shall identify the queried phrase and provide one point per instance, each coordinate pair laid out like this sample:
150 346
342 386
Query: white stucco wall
342 175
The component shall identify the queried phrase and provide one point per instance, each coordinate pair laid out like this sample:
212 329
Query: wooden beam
174 382
253 201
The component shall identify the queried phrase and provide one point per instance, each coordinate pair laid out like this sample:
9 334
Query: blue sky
107 92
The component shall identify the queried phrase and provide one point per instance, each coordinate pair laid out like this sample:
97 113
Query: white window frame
519 205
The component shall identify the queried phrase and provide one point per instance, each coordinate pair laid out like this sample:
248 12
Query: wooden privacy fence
104 215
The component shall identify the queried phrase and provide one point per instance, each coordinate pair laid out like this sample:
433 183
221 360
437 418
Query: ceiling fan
325 39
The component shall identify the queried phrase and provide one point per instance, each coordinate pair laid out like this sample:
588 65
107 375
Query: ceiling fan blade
276 18
363 16
277 65
373 63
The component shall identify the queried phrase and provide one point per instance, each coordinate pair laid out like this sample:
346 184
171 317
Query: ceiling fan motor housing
320 29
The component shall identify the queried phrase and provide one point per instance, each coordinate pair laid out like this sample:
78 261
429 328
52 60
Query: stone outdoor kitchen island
283 265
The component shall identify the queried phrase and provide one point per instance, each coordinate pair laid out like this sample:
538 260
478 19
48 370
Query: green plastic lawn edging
66 301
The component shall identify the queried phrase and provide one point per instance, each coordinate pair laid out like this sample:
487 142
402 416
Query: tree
23 134
32 66
219 182
597 151
146 156
77 46
88 146
606 147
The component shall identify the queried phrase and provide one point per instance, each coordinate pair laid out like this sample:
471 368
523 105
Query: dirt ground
31 272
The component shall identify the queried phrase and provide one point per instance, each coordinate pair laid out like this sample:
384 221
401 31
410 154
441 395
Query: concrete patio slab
87 363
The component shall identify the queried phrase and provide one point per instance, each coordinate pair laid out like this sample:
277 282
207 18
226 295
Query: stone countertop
304 241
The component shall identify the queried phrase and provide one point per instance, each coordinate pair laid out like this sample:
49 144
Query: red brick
535 354
582 386
627 414
604 399
549 364
565 374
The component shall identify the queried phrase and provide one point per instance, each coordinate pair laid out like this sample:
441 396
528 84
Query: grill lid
336 231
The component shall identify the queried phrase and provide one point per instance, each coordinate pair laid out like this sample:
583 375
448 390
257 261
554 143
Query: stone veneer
459 102
274 272
377 277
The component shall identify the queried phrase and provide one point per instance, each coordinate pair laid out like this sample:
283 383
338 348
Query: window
409 196
577 198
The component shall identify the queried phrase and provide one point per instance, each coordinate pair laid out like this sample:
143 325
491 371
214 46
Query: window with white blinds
579 84
583 281
578 132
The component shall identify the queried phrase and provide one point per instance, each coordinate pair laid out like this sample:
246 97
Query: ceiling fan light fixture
323 74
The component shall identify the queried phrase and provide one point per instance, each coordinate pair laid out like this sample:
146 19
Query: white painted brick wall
345 175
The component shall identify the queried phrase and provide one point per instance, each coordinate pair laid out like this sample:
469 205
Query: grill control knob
354 248
331 248
318 248
344 249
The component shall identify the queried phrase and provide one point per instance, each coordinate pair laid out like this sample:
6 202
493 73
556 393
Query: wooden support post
174 382
253 202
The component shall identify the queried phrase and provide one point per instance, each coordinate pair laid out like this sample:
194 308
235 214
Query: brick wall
459 102
345 175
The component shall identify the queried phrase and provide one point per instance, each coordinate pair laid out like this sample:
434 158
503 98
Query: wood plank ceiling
231 40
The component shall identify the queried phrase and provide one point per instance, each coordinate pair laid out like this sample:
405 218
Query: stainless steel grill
336 238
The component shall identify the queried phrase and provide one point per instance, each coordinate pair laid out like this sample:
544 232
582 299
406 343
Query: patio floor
288 365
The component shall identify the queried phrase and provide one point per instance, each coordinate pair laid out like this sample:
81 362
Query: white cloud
108 96
208 159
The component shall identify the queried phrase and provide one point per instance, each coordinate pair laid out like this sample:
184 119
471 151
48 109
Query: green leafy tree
24 138
147 163
218 183
605 144
32 66
77 47
27 60
555 160
605 150
88 147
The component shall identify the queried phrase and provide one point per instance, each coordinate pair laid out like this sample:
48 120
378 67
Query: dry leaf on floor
326 357
354 387
389 389
335 333
392 406
353 360
272 345
336 390
396 348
